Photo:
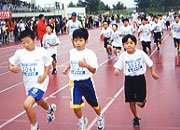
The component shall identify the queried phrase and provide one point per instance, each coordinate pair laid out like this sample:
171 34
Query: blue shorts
36 93
84 88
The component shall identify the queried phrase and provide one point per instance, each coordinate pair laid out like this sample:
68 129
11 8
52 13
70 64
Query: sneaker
110 53
109 56
82 126
50 114
54 71
158 48
37 128
136 121
100 123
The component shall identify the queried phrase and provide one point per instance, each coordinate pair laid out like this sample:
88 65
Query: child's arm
154 75
85 65
41 78
53 44
66 69
117 72
14 69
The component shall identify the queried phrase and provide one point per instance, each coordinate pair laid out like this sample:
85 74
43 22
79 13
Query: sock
34 126
99 117
81 120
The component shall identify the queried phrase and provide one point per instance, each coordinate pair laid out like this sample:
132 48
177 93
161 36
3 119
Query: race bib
134 65
29 69
75 69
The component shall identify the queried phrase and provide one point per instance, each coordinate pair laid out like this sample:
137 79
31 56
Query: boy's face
177 19
28 43
114 28
48 29
130 46
143 22
105 25
80 43
126 23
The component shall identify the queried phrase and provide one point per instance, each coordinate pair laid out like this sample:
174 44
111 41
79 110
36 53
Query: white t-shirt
134 17
73 26
145 30
134 64
126 30
117 40
51 39
32 64
175 27
106 32
159 27
79 73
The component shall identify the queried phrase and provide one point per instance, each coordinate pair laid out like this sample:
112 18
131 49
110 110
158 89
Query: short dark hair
41 15
51 26
81 33
27 33
125 38
126 19
115 25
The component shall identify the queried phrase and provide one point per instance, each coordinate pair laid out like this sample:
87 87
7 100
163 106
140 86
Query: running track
162 111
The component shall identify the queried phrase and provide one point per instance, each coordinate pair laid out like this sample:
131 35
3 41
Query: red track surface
162 111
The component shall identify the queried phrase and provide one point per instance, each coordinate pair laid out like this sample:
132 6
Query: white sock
81 120
99 117
34 127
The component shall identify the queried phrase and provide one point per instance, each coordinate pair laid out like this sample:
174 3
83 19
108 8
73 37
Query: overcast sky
127 3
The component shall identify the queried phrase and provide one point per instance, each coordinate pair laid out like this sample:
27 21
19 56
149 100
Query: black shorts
146 44
176 42
135 88
167 23
157 35
106 42
118 48
54 57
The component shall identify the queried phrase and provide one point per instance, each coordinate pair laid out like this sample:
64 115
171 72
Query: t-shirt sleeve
46 58
119 64
147 60
15 59
67 24
93 62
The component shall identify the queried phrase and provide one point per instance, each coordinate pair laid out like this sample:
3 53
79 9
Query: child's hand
65 71
117 72
155 76
41 79
15 69
148 33
82 63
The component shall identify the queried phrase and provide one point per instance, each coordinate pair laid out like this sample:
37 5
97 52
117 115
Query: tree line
93 6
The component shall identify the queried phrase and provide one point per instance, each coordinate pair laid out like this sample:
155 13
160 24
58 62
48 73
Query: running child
116 40
134 61
157 28
175 28
126 29
35 64
83 64
106 32
50 42
145 35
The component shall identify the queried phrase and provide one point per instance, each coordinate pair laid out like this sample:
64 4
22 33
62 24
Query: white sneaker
82 125
35 127
50 114
101 123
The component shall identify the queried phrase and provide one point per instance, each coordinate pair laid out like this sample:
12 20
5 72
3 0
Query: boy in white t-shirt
72 25
116 40
145 35
134 61
50 42
175 28
126 29
35 64
83 64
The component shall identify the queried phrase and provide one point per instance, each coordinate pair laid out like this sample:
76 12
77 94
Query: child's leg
115 51
54 64
28 106
78 112
98 111
133 108
43 104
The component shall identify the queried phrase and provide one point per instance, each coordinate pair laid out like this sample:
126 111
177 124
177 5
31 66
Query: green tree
92 5
81 3
71 4
119 6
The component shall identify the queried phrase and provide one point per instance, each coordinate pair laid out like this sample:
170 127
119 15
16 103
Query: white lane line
52 95
106 107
